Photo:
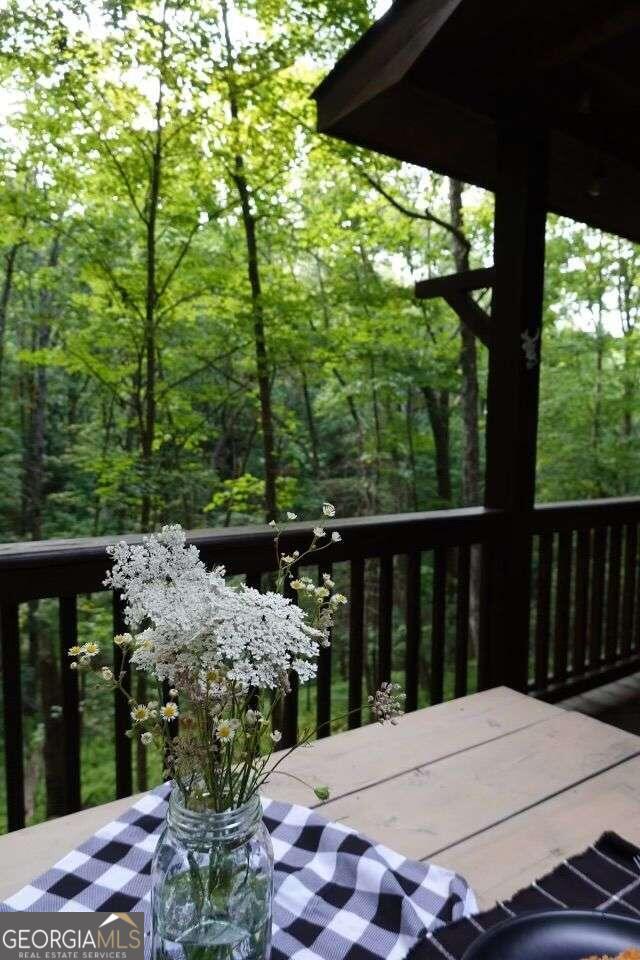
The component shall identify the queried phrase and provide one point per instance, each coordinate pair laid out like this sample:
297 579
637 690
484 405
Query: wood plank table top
496 785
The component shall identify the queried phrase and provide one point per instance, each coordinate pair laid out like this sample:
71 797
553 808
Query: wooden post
512 401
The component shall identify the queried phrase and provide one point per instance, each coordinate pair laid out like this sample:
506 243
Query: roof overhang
426 84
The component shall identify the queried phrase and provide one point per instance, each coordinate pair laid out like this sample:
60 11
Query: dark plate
557 935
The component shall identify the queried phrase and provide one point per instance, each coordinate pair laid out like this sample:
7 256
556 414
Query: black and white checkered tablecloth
605 877
338 896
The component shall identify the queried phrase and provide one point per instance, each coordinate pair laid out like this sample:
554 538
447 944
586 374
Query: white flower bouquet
220 658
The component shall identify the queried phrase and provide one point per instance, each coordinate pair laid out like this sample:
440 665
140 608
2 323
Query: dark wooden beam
519 246
591 32
513 386
456 289
472 315
455 283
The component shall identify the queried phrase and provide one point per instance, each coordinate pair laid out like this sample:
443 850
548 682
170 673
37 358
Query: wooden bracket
456 289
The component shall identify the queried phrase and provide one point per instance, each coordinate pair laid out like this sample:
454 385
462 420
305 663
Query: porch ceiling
427 82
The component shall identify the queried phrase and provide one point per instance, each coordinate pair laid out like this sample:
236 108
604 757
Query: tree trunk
257 307
35 420
438 408
46 676
149 399
468 364
149 412
627 269
413 483
5 295
377 433
311 425
471 492
596 429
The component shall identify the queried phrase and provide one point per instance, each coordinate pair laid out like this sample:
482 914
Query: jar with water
212 884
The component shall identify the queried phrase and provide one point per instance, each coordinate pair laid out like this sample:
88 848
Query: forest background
207 311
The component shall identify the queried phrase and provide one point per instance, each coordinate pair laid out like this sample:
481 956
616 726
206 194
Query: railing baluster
356 641
438 624
413 627
613 594
12 700
323 681
124 780
580 622
629 590
385 618
462 621
68 632
484 653
543 610
562 611
597 595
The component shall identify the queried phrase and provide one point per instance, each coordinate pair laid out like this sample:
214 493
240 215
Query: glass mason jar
212 884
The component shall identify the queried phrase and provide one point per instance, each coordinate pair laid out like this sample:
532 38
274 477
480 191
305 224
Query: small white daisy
226 730
169 711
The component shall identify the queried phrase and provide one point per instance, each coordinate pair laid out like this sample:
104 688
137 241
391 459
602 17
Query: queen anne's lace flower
193 620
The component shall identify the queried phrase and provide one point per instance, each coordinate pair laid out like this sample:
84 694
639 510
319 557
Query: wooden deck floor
616 703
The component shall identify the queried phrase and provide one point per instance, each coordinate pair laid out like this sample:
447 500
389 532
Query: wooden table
496 785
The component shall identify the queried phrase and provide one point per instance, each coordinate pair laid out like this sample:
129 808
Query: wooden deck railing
585 628
416 578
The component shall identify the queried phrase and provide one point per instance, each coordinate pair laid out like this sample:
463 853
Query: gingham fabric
338 896
605 877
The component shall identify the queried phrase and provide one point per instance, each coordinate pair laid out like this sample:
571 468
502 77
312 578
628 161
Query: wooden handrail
58 568
578 514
